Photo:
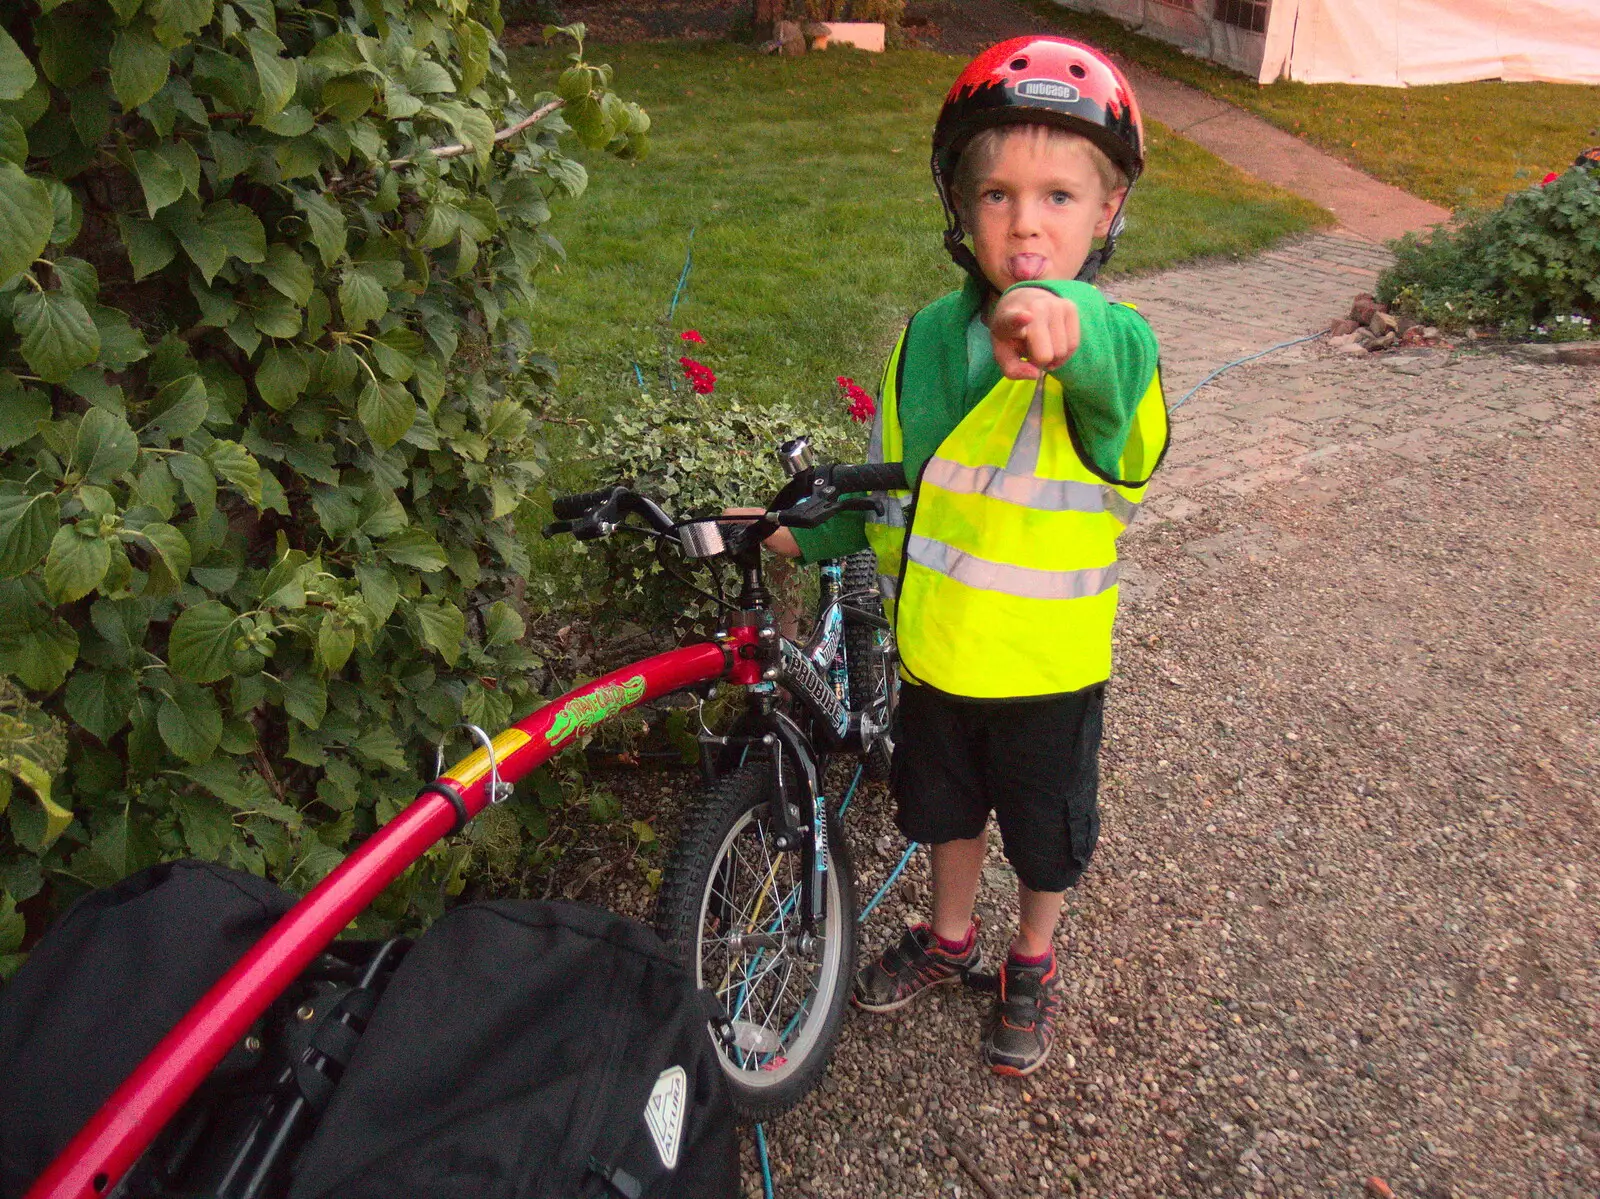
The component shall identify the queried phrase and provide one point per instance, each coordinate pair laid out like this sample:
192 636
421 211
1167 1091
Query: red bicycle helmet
1045 81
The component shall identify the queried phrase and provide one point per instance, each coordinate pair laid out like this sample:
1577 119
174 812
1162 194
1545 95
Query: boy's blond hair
983 151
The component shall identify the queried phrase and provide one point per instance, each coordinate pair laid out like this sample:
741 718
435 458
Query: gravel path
1342 921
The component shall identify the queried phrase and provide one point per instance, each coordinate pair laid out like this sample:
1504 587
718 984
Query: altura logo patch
663 1115
1048 89
586 711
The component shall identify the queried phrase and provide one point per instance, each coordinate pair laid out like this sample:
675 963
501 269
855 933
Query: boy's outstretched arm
1103 354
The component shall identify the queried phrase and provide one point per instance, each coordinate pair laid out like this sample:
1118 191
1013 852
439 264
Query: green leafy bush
696 453
1532 260
264 413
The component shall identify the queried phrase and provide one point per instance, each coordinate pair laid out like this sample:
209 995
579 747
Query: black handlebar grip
875 476
571 507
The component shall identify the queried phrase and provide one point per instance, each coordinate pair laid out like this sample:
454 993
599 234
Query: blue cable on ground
766 1168
860 770
683 277
1282 345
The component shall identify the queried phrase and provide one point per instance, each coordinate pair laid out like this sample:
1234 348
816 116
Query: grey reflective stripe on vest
889 587
1021 581
1120 506
1024 458
1025 491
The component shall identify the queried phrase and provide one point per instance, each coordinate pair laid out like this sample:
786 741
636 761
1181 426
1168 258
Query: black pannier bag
538 1050
114 975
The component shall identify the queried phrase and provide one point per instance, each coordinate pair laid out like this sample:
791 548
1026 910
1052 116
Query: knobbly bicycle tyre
725 811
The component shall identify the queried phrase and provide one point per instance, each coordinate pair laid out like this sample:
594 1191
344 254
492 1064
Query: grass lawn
817 226
1457 144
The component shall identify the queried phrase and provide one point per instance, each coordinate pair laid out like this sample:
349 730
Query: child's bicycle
758 896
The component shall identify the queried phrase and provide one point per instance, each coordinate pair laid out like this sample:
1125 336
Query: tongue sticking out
1027 266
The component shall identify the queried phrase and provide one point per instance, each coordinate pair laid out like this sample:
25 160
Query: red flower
862 409
691 335
1549 179
701 380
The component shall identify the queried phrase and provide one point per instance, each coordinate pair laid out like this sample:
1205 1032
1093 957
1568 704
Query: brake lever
864 503
557 528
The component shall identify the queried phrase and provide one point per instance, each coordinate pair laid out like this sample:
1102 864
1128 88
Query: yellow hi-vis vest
1001 578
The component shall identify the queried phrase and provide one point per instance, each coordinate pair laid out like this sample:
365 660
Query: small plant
695 446
1532 263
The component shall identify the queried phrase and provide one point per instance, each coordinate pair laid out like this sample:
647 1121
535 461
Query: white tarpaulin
1397 42
1390 43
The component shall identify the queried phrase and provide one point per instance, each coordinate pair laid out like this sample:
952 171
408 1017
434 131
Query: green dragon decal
584 712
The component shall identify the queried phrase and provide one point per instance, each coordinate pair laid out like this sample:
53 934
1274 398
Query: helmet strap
1097 259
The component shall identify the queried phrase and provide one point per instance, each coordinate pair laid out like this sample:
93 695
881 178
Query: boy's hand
1033 330
781 542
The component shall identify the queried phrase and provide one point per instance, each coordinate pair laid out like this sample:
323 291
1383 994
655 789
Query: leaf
336 640
76 563
58 334
348 99
13 139
305 697
190 723
472 48
106 447
502 625
181 407
26 220
442 626
415 548
238 229
386 411
287 271
278 76
282 377
149 246
78 279
176 19
100 700
208 827
171 547
378 589
27 523
16 72
21 410
200 645
161 180
121 345
139 66
327 226
42 658
199 482
206 250
231 461
276 315
362 299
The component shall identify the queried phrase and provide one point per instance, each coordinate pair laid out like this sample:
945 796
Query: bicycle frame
748 652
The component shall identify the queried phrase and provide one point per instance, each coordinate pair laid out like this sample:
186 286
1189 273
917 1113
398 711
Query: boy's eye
994 196
1060 197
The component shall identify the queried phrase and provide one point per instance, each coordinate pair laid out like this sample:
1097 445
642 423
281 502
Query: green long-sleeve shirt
1102 384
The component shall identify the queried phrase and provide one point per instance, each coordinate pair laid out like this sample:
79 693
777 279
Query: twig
461 148
971 1167
264 768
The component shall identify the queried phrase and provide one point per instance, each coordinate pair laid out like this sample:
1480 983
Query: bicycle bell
795 456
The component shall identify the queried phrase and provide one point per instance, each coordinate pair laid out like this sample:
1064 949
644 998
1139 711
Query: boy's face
1039 209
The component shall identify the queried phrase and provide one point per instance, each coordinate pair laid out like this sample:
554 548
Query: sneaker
909 968
1023 1022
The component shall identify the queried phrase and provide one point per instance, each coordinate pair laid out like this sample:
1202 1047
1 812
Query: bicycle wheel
726 887
871 679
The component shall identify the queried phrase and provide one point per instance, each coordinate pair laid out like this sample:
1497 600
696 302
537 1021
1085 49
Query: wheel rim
784 990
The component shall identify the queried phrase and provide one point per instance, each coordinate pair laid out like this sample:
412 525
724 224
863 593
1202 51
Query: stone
1581 353
1384 342
1404 323
1339 341
1381 323
791 37
1341 328
1362 309
1430 332
1539 352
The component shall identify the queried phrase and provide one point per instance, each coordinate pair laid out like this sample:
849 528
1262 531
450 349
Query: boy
1029 411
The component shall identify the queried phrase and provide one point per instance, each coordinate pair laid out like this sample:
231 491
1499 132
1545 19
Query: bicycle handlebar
571 507
875 476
